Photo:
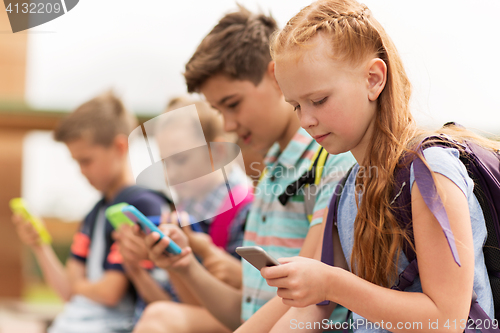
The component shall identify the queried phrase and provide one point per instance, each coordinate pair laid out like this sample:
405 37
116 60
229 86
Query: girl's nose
306 118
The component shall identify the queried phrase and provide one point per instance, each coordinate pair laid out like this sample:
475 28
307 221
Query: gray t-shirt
444 161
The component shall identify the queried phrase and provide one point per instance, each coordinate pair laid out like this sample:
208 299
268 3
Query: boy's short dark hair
100 119
238 46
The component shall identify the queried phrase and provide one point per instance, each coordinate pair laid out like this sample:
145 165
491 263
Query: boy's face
189 165
100 165
255 113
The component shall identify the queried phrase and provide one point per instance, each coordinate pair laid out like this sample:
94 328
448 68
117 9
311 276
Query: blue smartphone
195 226
148 227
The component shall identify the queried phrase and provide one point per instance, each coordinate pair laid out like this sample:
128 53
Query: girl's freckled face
330 96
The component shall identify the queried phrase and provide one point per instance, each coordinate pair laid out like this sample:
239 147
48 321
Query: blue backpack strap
331 220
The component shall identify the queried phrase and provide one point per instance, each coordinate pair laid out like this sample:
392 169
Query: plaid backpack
483 167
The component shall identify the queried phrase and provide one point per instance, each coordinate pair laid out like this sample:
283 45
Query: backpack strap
219 228
477 315
425 182
311 176
331 220
427 188
307 177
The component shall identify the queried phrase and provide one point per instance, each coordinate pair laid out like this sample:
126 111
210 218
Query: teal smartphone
148 227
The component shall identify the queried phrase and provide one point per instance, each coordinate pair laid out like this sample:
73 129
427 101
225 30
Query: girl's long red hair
355 35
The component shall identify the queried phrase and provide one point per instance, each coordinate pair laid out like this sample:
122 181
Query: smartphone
116 217
18 207
148 227
256 256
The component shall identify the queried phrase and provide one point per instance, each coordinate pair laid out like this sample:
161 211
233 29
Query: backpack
483 167
219 229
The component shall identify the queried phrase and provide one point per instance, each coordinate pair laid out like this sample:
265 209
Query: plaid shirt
281 230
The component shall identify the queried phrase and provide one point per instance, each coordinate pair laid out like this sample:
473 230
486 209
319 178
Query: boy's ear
377 78
270 72
121 143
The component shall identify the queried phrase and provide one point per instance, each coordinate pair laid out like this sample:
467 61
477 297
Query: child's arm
447 288
109 290
267 316
224 267
182 290
222 300
145 285
133 251
52 269
297 319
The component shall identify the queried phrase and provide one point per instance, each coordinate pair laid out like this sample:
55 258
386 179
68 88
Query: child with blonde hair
93 282
216 236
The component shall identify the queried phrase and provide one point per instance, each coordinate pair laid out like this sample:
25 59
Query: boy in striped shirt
232 68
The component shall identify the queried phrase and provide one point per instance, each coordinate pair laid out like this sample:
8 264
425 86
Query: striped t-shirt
281 230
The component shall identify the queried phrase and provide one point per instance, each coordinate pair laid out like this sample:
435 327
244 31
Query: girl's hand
27 233
300 281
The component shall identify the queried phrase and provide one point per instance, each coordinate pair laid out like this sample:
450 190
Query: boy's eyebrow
224 99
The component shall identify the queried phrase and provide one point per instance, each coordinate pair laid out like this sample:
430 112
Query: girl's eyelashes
320 101
297 107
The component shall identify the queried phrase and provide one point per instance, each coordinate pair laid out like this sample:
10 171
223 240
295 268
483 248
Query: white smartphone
256 256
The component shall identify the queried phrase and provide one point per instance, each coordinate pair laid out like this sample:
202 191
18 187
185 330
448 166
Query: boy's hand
171 231
200 242
132 247
224 267
27 233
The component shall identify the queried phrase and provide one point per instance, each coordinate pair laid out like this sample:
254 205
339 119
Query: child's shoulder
147 201
446 161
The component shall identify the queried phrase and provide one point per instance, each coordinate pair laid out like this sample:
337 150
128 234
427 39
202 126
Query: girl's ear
377 77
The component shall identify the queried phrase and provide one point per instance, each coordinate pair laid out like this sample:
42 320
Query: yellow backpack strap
318 162
263 174
320 166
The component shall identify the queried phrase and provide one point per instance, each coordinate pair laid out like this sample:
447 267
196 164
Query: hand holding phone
256 256
116 217
18 207
148 227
